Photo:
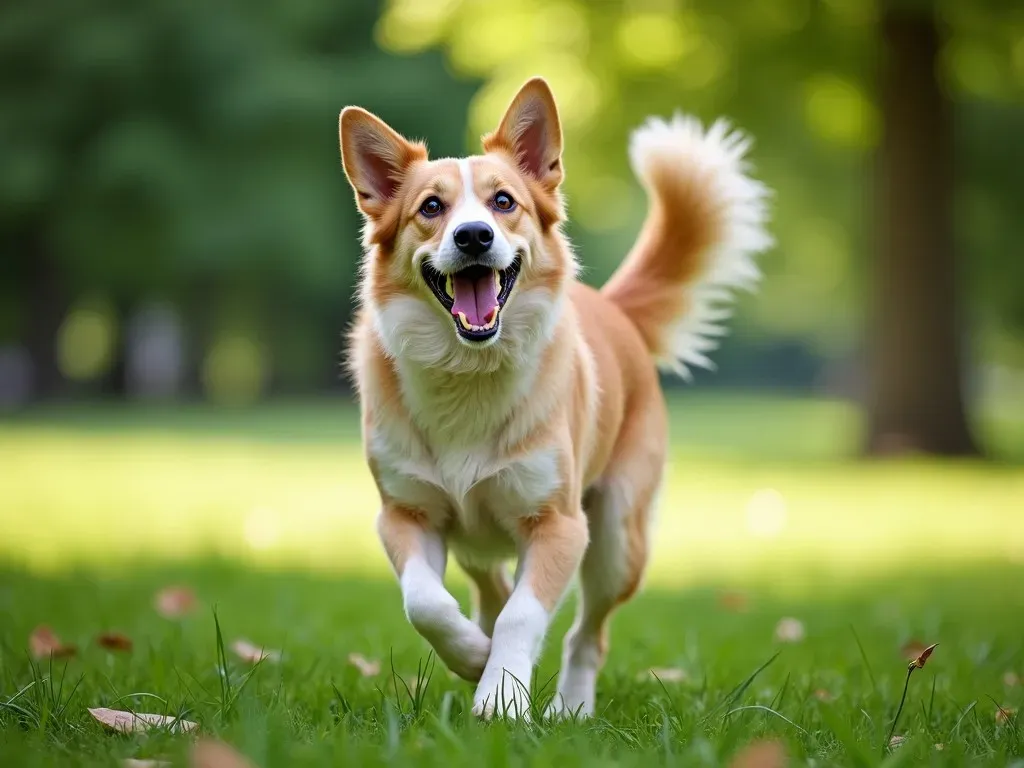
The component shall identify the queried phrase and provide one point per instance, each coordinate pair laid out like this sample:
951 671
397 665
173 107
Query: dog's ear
376 159
531 133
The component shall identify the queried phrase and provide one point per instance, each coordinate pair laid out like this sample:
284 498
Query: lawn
267 516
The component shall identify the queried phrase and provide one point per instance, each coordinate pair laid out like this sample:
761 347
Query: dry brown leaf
367 667
175 602
911 649
253 653
732 601
1011 679
896 741
1005 714
114 641
923 656
134 762
761 754
210 753
665 674
43 643
129 722
789 630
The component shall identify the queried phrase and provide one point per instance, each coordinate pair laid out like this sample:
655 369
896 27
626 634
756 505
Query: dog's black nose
473 237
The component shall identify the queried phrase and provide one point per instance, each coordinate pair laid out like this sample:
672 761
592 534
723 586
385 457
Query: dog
509 411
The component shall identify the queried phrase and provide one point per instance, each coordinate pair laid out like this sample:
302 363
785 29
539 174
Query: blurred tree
915 397
189 152
803 77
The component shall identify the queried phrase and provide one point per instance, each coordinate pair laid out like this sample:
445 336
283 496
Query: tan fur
680 227
397 527
495 448
491 591
559 541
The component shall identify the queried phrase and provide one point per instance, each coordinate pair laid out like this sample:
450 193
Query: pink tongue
476 299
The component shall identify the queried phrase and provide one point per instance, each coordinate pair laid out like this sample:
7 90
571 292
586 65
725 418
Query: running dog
510 411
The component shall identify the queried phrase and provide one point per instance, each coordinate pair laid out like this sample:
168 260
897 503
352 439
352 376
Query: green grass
267 515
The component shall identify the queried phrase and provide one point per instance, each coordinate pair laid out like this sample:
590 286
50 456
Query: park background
179 256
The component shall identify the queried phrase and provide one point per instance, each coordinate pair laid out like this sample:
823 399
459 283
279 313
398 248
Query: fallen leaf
789 630
114 641
823 695
1005 714
761 754
1011 679
896 741
923 656
129 722
253 653
366 667
175 602
43 643
134 762
732 601
209 753
666 674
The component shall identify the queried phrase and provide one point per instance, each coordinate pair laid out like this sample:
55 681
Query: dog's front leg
419 555
552 547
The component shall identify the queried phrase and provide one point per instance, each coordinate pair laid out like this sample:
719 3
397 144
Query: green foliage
797 75
189 152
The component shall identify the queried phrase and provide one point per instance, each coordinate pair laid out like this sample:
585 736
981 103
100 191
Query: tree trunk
915 394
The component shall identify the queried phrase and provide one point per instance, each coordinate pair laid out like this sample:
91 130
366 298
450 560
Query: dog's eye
503 201
431 207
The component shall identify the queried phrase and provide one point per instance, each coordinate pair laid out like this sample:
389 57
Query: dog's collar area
472 326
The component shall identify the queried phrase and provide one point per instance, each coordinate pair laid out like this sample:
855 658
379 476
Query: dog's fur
547 441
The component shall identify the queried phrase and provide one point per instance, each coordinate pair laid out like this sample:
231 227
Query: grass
267 516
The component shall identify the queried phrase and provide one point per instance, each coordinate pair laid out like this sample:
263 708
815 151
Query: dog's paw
504 690
464 651
468 659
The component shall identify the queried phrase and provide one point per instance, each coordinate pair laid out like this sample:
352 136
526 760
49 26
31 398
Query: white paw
504 689
576 691
465 651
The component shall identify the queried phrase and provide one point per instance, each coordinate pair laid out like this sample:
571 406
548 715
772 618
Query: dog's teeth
497 280
465 323
448 287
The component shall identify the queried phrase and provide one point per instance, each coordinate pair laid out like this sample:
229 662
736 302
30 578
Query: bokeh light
85 342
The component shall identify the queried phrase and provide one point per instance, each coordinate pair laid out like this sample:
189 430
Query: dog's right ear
376 159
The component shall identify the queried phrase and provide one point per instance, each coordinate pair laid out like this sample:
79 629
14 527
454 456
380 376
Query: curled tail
705 223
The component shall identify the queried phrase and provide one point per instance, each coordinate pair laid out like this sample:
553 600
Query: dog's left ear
531 133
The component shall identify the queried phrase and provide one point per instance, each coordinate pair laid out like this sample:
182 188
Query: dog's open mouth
474 296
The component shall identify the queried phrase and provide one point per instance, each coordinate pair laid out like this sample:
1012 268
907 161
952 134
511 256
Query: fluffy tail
706 221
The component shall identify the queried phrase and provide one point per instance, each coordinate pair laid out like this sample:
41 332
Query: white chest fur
476 496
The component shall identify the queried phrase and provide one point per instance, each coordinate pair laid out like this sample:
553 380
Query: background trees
185 158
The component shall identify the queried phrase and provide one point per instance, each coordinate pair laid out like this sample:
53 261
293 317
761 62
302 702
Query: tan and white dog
510 411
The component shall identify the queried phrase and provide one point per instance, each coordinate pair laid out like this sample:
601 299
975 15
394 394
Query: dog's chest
477 497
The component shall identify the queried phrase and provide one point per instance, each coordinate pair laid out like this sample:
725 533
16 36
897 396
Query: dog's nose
473 237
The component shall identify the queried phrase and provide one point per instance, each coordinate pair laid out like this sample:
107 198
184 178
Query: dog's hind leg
491 590
619 508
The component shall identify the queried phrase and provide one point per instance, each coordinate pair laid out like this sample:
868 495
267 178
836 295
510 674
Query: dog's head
465 262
